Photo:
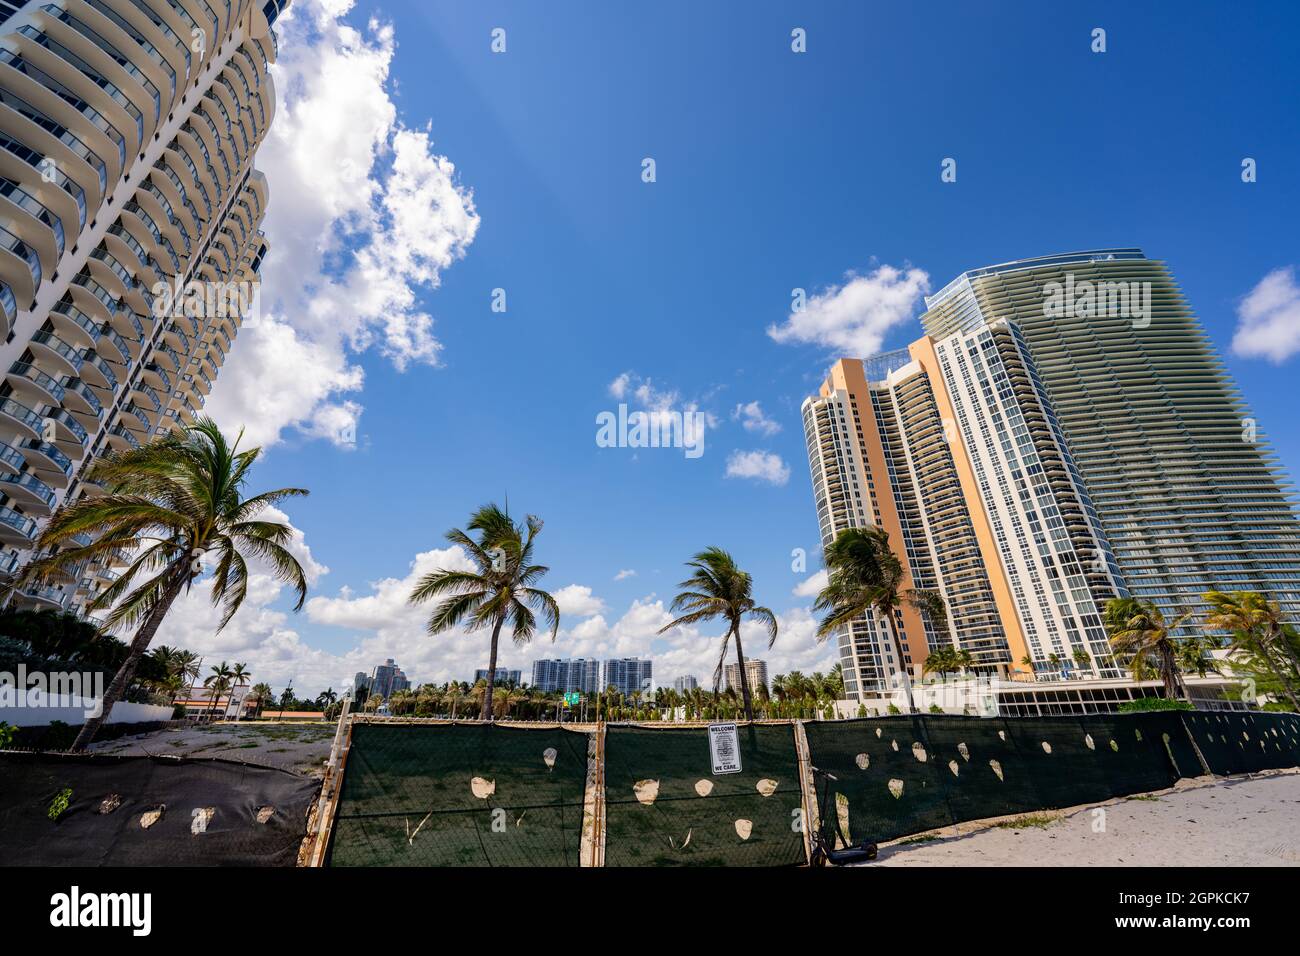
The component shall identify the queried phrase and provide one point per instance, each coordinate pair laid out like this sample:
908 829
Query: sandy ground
302 748
1251 821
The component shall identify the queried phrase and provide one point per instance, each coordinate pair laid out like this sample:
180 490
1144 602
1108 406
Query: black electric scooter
828 834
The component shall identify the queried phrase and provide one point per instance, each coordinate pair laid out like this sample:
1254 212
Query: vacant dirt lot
302 748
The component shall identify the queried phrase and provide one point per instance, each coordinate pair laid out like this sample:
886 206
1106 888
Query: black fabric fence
897 776
1246 743
92 810
665 807
461 795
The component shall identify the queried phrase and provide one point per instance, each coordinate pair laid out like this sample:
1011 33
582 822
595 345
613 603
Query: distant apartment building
629 675
685 684
387 679
576 675
755 675
504 676
1028 467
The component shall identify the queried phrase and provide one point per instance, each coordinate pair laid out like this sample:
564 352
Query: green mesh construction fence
665 807
1246 743
460 795
903 775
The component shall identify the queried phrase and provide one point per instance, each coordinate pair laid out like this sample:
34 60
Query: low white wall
72 711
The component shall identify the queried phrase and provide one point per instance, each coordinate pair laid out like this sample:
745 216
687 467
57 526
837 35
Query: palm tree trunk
902 665
492 670
744 678
139 644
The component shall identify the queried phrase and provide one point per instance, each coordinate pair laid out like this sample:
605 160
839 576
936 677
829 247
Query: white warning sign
724 748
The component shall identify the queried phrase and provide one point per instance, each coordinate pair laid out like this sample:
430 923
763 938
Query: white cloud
576 600
752 418
625 574
1268 323
853 318
363 217
812 585
760 465
618 387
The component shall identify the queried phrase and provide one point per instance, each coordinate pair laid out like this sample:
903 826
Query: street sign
724 748
572 700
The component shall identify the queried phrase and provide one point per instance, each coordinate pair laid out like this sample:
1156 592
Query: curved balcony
74 325
157 375
145 394
127 325
16 528
8 564
11 458
47 346
81 400
29 490
177 362
121 438
8 307
66 427
43 456
29 423
174 337
48 596
135 418
98 372
26 378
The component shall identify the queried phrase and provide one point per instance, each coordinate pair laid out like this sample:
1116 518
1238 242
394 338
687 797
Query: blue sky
774 170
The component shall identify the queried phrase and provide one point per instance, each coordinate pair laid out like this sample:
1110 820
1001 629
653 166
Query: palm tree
1140 632
1194 656
1258 630
239 677
1082 659
167 505
187 664
261 693
326 698
219 681
719 589
866 575
942 661
498 590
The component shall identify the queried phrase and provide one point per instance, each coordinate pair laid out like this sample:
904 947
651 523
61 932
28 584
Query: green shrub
936 709
6 735
1146 704
893 709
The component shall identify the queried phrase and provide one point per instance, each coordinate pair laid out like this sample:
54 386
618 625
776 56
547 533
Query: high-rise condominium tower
129 233
961 463
1062 436
1186 488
